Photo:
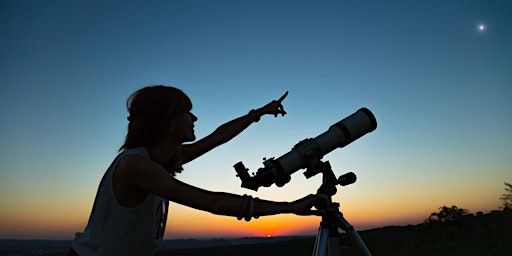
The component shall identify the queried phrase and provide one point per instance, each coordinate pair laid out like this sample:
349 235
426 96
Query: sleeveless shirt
113 229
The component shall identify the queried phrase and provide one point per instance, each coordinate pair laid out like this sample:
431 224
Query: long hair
151 114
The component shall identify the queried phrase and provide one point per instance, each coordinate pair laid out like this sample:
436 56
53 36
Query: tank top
113 229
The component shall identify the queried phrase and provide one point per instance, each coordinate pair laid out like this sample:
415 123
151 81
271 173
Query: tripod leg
322 236
353 233
327 241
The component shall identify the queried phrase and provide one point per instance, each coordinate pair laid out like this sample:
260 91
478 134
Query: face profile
183 127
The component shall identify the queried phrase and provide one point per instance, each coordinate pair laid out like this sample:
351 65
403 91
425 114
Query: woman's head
152 112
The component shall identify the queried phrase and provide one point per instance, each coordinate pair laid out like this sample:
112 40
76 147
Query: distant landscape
481 234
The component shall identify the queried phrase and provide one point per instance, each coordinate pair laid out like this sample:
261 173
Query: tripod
327 241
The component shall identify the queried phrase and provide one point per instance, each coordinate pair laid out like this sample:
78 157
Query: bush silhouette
448 215
507 198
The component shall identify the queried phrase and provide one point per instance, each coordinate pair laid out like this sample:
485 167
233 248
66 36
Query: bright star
481 27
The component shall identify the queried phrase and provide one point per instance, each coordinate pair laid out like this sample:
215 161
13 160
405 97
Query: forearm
229 130
227 204
247 207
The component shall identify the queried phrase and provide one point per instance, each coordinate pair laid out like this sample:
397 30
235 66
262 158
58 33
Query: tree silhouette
507 197
448 214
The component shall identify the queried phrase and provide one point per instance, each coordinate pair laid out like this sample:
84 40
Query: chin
190 139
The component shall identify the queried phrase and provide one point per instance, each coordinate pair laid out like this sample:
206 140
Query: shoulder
131 164
133 156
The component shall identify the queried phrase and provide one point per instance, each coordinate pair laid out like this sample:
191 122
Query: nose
194 117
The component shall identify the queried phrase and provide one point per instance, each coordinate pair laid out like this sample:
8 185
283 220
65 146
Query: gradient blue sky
439 88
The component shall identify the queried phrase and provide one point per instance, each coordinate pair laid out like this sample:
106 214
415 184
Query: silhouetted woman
130 209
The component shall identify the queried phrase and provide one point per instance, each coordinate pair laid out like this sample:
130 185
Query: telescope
307 153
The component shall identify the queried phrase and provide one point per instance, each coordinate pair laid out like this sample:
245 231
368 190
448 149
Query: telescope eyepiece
243 174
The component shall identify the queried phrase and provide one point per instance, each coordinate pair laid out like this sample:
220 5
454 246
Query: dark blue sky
440 89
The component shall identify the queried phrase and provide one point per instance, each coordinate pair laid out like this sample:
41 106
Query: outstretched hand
303 206
275 107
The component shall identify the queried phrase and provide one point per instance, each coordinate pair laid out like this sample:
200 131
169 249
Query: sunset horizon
204 225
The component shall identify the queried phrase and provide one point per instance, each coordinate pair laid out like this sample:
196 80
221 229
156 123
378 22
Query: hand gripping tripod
327 241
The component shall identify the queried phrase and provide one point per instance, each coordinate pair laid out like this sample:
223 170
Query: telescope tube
308 152
338 135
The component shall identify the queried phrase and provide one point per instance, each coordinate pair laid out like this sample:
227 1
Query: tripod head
330 181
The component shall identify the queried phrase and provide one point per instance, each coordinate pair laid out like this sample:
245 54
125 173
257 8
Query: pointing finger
282 97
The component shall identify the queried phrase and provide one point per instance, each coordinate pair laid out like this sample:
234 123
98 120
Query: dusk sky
436 74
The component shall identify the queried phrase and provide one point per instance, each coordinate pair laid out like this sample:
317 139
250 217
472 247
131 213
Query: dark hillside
475 235
489 234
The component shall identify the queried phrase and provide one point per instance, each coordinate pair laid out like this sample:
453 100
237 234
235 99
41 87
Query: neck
162 153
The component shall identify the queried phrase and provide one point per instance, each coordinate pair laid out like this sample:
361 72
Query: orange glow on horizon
58 222
182 223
